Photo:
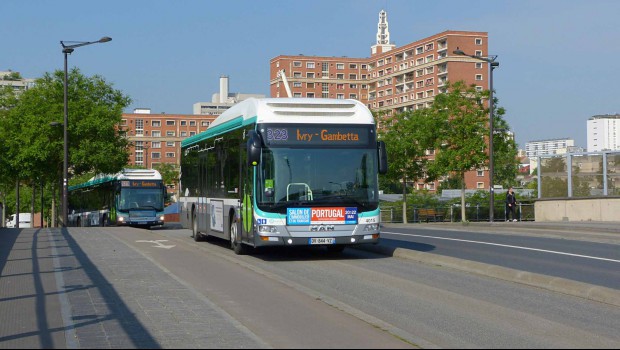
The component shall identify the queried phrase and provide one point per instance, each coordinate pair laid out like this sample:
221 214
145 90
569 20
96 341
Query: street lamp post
66 50
492 65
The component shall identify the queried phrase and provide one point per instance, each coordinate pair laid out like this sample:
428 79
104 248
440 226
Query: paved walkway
89 290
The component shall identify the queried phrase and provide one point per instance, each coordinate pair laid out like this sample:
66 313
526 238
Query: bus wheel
195 234
235 240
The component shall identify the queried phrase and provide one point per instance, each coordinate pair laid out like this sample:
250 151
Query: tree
505 162
408 136
95 142
463 128
35 149
169 173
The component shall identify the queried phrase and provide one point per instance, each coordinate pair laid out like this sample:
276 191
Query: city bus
284 172
132 197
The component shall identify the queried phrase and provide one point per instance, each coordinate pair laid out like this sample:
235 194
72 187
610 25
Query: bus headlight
371 227
161 218
121 219
267 229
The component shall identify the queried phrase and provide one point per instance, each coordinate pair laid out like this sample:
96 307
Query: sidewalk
87 289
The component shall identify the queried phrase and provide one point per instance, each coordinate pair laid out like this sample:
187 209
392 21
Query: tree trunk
405 200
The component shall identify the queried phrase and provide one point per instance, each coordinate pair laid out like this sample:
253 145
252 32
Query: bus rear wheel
195 234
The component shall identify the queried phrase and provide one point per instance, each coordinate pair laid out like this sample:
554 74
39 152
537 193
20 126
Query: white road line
504 245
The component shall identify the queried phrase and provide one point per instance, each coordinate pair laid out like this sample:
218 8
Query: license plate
322 241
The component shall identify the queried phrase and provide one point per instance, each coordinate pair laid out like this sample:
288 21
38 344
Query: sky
558 58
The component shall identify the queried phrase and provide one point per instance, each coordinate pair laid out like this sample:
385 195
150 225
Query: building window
480 185
169 154
155 155
192 123
310 65
170 133
310 85
310 95
419 50
353 66
353 96
192 133
296 64
296 74
183 133
478 65
428 47
478 41
325 87
478 53
353 76
353 86
297 84
170 122
169 143
123 122
156 144
297 94
478 76
206 123
480 173
340 96
339 65
339 76
340 86
183 122
156 133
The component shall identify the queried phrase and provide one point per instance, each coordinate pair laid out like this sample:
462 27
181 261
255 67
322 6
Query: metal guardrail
478 213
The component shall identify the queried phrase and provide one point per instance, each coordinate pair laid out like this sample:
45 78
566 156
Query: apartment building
156 138
604 133
393 79
15 81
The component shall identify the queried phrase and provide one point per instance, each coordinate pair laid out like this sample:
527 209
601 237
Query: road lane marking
505 245
158 243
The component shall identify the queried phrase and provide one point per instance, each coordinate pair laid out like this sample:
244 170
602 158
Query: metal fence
524 212
579 175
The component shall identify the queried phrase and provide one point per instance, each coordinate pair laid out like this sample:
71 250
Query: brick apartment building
156 138
393 79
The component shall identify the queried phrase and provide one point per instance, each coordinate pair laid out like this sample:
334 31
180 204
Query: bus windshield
141 198
301 177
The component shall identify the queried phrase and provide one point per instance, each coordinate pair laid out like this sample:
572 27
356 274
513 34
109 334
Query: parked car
25 221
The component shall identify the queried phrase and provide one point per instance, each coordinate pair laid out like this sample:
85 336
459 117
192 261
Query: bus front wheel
235 239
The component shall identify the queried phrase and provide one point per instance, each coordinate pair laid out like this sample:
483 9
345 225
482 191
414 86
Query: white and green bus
284 172
132 197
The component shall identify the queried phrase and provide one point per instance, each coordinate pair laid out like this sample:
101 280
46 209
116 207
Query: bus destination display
140 183
313 135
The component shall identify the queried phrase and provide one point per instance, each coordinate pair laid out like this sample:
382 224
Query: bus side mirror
383 162
253 148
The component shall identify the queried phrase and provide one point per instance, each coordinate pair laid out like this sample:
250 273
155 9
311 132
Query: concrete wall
578 209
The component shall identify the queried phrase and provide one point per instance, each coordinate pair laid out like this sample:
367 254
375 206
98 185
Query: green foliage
169 173
32 150
95 145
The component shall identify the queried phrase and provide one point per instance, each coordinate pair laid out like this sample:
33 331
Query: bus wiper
147 207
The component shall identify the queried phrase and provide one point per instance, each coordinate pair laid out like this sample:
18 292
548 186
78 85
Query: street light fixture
492 65
66 50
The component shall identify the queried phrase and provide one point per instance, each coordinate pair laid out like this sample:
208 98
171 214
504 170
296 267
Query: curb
556 284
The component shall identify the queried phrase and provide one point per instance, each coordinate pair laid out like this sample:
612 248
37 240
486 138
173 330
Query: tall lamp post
66 50
492 65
